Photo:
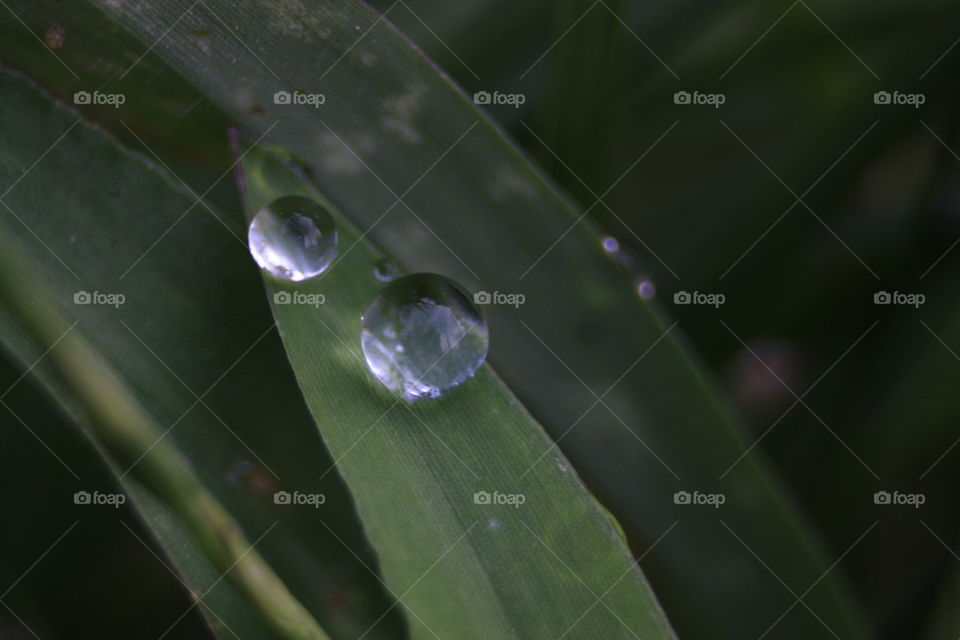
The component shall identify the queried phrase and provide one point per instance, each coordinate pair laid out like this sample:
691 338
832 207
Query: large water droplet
293 238
422 336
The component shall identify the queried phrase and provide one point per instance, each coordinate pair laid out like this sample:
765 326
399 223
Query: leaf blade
451 561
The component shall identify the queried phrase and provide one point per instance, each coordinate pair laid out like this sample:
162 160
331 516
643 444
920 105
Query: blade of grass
551 565
246 436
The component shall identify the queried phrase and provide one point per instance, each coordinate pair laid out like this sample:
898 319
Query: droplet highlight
293 238
423 336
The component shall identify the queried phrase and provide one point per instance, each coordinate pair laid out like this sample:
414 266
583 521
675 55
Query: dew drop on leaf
422 336
293 238
385 270
645 288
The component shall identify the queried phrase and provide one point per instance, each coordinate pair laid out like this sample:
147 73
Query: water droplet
385 270
645 288
293 238
422 335
610 244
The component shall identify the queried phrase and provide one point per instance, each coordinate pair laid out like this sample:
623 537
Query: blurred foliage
95 559
799 114
881 183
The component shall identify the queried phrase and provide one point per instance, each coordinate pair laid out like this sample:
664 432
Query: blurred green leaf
243 436
585 72
46 459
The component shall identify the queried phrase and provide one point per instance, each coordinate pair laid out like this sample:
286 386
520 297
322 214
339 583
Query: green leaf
407 159
584 76
554 564
64 539
200 421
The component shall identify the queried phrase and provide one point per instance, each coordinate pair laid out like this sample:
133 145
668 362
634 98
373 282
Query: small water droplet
385 270
293 238
645 288
422 335
610 244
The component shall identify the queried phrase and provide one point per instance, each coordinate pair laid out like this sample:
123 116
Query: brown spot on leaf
256 110
260 482
55 37
201 33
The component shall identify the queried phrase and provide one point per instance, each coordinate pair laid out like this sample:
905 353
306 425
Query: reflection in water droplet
610 244
293 238
645 288
385 270
422 336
